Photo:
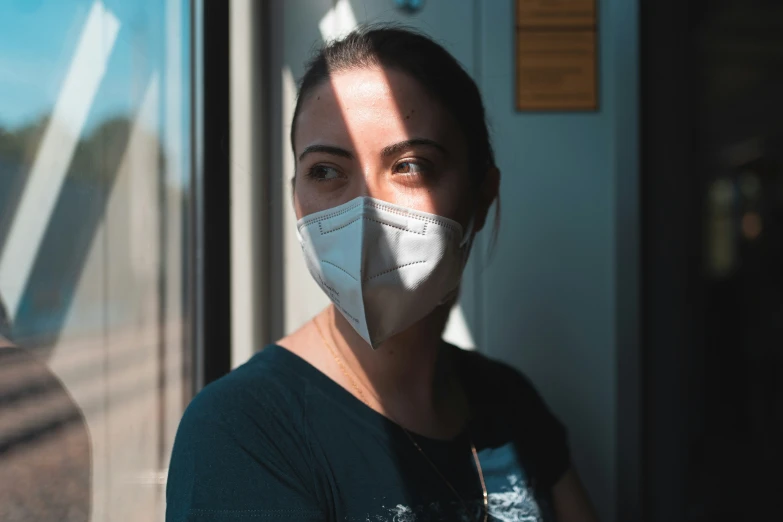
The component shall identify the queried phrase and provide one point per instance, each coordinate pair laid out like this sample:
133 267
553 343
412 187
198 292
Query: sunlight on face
376 132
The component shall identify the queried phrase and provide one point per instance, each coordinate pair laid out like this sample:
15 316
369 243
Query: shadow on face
376 132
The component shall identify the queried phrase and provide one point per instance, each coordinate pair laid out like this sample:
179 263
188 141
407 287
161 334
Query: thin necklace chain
359 393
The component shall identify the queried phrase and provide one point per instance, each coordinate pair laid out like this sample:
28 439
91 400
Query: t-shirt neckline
335 392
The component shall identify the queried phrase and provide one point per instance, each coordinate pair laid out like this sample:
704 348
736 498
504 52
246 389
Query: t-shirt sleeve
239 460
543 436
555 455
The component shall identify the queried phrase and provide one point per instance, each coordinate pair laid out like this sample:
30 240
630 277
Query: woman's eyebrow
396 148
327 149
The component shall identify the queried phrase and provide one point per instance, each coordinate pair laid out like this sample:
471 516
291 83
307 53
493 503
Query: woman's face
376 132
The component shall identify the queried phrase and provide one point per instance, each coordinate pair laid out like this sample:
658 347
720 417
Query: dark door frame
670 238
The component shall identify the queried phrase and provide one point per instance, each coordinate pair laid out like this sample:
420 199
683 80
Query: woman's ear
488 193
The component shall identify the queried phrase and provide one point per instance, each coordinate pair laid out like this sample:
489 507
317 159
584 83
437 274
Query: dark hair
420 57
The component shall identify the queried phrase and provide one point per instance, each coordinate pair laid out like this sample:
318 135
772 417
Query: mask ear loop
467 235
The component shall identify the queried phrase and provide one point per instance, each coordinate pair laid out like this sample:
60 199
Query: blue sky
38 39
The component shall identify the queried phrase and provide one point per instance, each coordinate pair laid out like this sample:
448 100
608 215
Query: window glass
94 183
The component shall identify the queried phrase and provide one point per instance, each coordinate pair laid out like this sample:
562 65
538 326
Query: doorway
713 259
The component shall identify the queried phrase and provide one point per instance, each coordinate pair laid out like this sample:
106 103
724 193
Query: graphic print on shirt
513 502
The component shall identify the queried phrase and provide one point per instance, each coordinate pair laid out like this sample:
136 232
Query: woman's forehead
360 104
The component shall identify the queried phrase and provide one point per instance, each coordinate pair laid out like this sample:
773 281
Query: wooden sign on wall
556 55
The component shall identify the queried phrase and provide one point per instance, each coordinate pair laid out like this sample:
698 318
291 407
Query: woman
364 413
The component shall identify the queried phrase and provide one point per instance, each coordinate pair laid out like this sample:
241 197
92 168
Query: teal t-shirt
276 439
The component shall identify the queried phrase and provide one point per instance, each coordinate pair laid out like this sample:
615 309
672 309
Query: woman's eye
323 173
409 168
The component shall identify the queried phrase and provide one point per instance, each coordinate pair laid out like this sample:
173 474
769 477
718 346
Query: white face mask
384 266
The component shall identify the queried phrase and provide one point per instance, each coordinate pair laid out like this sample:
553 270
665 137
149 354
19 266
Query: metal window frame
250 184
209 278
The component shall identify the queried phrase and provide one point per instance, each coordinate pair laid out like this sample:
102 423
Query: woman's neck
412 375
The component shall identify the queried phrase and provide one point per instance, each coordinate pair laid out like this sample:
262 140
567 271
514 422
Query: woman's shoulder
503 391
241 446
263 387
512 406
495 376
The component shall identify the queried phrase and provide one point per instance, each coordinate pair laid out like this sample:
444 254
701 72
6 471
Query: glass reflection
93 197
